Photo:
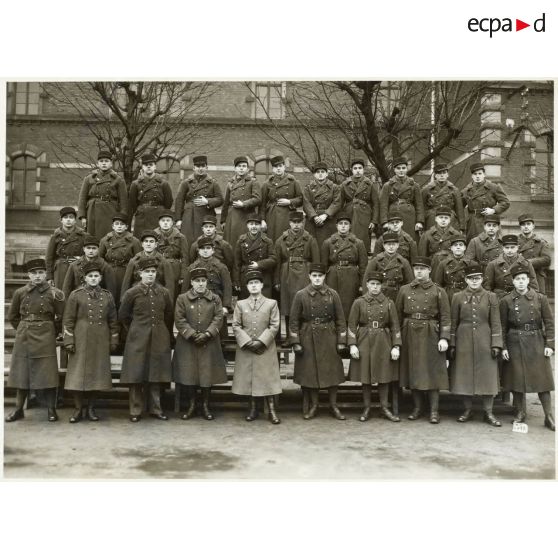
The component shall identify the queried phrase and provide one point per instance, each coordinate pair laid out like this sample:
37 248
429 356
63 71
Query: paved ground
231 448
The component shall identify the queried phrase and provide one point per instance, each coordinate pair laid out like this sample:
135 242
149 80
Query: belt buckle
375 324
527 327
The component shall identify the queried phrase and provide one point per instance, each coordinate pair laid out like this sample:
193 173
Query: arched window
169 167
262 170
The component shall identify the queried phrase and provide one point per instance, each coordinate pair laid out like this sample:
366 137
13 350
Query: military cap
494 218
200 160
518 268
510 239
197 273
296 216
166 213
67 211
104 154
120 217
473 269
319 165
357 161
317 268
90 240
251 275
443 210
147 233
390 237
38 263
440 167
422 260
342 216
205 241
400 161
458 238
525 217
210 219
476 166
91 266
278 160
241 159
148 158
253 217
375 276
144 263
395 216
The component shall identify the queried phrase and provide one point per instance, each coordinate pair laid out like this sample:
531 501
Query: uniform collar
417 283
529 295
379 297
192 295
313 290
41 288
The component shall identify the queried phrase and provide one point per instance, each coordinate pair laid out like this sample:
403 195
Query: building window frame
32 176
264 93
24 98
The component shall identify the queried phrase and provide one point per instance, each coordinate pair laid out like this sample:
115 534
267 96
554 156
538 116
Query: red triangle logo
519 25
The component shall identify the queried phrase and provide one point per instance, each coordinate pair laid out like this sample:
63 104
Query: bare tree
132 118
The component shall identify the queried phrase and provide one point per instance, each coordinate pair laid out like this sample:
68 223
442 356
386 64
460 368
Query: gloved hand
495 351
442 345
258 347
249 346
353 350
451 353
70 348
340 347
236 288
395 353
201 338
298 349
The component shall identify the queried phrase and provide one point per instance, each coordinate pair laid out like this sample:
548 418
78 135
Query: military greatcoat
132 276
247 190
218 279
374 329
317 322
435 244
191 215
498 278
256 375
537 251
64 247
174 248
277 216
147 313
148 197
295 253
396 271
404 196
223 250
484 249
527 328
475 330
90 324
346 259
102 195
36 314
435 195
76 278
450 274
407 246
424 313
198 365
319 198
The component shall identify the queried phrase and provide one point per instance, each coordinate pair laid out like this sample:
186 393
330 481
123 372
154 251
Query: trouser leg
49 395
21 396
468 403
78 400
155 398
417 399
136 400
488 403
434 399
367 395
546 402
383 392
519 406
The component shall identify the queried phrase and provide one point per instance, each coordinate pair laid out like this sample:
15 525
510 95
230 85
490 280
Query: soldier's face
241 169
68 221
208 229
104 164
443 221
254 286
279 170
510 250
199 284
296 226
119 226
148 275
37 276
374 287
395 225
317 279
441 177
149 244
343 226
166 223
457 249
93 278
521 282
527 227
200 170
491 228
149 168
254 227
206 251
400 171
358 170
90 250
422 273
391 247
474 282
478 176
320 174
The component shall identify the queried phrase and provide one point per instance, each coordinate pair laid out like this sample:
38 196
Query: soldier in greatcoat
395 269
534 249
102 195
64 247
149 195
345 257
482 198
146 311
321 200
407 245
403 194
442 193
117 248
361 202
497 275
450 273
256 321
242 198
223 250
295 250
36 314
424 314
318 334
374 342
91 332
528 333
486 246
254 251
435 242
475 344
281 194
198 196
198 360
173 246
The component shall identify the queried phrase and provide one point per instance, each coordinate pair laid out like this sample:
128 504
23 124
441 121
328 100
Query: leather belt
317 321
525 327
419 316
103 198
118 263
344 263
296 259
374 325
37 318
150 203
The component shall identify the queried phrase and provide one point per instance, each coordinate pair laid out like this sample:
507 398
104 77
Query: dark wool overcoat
537 252
484 249
64 247
76 278
395 269
405 197
319 198
436 195
450 274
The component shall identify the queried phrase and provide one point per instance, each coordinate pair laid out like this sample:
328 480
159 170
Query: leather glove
70 348
258 347
495 351
249 346
353 349
451 353
201 339
340 347
298 349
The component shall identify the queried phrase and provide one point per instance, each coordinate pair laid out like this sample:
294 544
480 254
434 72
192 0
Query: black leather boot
314 398
417 401
15 415
253 412
273 418
206 413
